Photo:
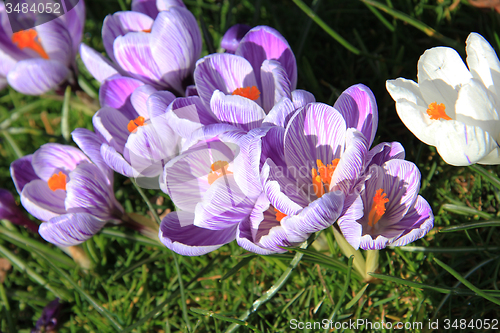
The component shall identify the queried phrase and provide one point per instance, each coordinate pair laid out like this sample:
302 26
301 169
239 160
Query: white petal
483 62
491 158
417 121
403 89
442 63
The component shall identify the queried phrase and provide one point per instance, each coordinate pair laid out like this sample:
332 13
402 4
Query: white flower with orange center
452 107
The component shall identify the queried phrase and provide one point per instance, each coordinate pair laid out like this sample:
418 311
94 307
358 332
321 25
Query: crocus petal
157 105
70 229
22 172
224 72
10 211
37 76
262 43
302 97
176 45
147 7
116 93
111 124
236 110
166 4
90 144
348 222
89 191
54 157
384 152
358 107
100 67
56 41
187 114
233 36
119 24
75 21
483 62
418 222
140 97
179 234
274 82
281 113
442 63
116 161
133 53
492 158
42 202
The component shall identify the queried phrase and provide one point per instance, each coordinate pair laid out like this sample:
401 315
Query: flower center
57 181
219 169
436 111
279 215
378 207
29 39
322 176
133 124
146 30
252 92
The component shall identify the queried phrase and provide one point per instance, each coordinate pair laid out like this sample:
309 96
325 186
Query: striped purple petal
116 93
233 36
52 158
100 67
70 229
37 76
22 172
41 202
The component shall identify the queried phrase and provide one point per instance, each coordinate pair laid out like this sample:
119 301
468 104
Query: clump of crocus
60 186
452 107
37 60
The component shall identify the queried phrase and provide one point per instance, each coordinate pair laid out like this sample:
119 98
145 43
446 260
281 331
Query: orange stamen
133 124
436 111
29 39
57 181
219 169
378 207
279 215
146 30
322 176
252 92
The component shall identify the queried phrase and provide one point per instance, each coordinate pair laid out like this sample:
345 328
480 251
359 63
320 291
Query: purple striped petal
111 124
75 21
51 158
116 161
265 43
10 211
70 229
56 41
157 105
133 53
147 7
178 233
90 191
233 36
119 24
42 202
22 172
236 110
384 152
37 76
90 144
175 45
166 4
140 97
348 221
358 107
301 98
275 84
116 93
97 65
224 72
187 114
281 113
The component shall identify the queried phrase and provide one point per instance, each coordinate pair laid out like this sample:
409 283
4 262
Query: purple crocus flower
161 52
126 136
36 60
388 211
201 183
153 7
49 319
233 37
10 211
59 185
308 170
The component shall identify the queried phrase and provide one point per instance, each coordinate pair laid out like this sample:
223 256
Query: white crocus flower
454 108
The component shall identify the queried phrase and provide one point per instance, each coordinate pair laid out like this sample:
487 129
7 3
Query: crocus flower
153 7
36 60
10 211
200 182
161 52
233 37
388 211
452 107
125 136
49 319
59 185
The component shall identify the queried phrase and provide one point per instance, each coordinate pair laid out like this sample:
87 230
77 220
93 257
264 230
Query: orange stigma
29 39
133 124
322 176
436 111
57 181
146 30
219 169
279 215
252 92
378 207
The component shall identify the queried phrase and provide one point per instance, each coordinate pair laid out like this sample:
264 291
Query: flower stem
150 206
276 287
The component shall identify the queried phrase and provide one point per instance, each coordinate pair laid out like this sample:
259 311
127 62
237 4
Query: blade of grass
132 236
309 12
65 115
145 198
19 153
357 297
127 270
18 112
5 301
221 317
82 292
181 288
380 17
446 249
467 283
238 266
464 210
490 177
467 226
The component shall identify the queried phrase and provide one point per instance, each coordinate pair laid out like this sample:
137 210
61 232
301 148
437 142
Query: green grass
134 284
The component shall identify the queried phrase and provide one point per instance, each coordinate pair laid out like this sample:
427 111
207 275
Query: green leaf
464 210
467 226
357 297
238 266
65 115
221 317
